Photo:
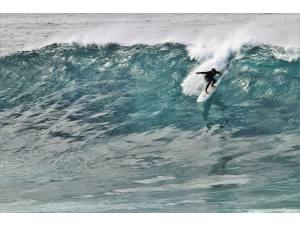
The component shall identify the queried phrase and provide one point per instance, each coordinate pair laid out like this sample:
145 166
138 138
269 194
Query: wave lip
131 29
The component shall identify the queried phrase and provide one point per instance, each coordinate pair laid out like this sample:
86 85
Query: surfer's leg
213 82
207 87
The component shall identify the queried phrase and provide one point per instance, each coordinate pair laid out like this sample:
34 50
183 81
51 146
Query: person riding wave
209 77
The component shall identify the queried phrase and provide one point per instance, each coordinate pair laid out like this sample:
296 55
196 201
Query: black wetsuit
209 77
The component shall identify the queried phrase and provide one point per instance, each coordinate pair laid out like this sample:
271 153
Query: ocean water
98 113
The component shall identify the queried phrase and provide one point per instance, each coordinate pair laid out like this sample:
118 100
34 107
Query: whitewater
98 113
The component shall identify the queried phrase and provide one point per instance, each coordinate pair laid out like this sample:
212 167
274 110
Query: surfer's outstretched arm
201 72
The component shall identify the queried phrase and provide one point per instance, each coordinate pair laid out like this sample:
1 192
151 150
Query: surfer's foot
206 92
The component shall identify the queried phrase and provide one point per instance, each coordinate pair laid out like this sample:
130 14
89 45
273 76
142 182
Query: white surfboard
203 96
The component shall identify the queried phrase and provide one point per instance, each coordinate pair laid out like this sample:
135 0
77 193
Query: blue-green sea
98 113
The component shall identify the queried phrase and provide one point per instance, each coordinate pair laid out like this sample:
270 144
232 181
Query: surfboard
203 96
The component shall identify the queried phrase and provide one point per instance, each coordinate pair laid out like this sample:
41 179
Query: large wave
211 41
148 81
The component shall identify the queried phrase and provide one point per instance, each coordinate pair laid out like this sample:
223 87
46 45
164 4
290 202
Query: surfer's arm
201 72
218 72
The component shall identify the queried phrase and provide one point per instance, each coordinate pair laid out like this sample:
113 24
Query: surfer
209 77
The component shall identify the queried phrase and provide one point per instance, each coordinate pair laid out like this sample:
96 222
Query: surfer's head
213 70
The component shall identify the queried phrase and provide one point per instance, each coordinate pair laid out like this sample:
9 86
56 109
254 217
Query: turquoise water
116 128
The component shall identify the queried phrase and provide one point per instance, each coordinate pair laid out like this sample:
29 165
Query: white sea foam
215 31
201 183
154 179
